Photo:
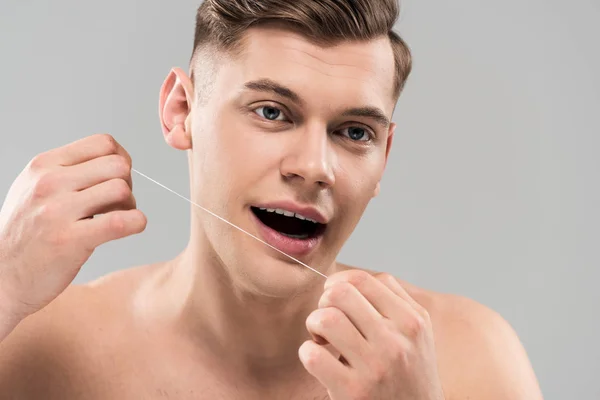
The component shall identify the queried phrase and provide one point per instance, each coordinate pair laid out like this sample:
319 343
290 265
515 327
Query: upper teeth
287 213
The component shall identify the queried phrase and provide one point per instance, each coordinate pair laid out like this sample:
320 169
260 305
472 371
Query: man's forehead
353 53
362 68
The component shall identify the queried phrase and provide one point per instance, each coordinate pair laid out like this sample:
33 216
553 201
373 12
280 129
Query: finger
393 304
416 319
355 306
334 326
125 205
323 366
320 340
109 195
87 149
111 226
386 301
394 285
98 170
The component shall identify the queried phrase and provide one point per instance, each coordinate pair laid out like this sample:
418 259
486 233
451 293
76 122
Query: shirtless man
292 113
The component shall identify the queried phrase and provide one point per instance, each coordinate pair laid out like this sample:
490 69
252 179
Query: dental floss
224 220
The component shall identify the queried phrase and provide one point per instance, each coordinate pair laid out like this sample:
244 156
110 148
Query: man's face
291 126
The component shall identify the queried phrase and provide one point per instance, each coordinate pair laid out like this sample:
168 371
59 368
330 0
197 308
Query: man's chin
277 278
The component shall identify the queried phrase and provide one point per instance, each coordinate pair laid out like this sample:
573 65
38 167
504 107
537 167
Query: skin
229 317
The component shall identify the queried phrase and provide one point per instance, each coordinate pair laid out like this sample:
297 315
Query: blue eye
357 133
270 113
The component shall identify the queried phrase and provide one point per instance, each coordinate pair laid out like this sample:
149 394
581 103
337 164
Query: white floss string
224 220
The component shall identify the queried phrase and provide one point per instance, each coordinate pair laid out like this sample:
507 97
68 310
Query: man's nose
310 158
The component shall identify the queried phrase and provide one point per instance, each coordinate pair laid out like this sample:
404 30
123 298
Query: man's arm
485 358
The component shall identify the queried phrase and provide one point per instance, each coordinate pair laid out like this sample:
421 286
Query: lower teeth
303 236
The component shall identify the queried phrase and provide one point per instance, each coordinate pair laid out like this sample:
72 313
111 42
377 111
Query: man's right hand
47 224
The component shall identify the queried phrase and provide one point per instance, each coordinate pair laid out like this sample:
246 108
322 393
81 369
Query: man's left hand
384 338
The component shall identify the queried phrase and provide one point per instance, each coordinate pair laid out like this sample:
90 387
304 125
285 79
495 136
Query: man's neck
253 333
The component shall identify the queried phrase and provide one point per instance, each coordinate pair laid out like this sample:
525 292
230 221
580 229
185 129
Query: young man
285 118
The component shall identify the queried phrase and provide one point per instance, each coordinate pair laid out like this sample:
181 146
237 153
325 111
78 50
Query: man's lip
304 210
287 245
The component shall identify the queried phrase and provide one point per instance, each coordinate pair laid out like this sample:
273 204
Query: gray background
492 189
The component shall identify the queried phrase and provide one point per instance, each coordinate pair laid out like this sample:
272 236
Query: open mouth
289 224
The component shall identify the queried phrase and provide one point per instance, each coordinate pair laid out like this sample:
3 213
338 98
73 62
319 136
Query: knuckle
357 277
44 185
121 166
386 278
121 189
415 326
311 355
397 350
336 293
314 319
126 155
108 142
328 317
377 373
38 162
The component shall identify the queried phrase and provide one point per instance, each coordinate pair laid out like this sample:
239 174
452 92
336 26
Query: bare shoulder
479 353
47 353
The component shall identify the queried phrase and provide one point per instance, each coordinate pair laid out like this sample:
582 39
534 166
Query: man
285 118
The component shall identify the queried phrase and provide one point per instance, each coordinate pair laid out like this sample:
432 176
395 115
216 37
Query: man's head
288 107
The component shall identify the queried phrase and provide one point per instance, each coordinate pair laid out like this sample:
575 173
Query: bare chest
137 378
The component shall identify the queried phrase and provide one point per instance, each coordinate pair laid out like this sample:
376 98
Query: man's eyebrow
267 85
370 112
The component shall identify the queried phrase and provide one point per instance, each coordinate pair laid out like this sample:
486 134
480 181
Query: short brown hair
222 23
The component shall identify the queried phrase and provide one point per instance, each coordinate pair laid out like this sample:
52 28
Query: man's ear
390 139
175 105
